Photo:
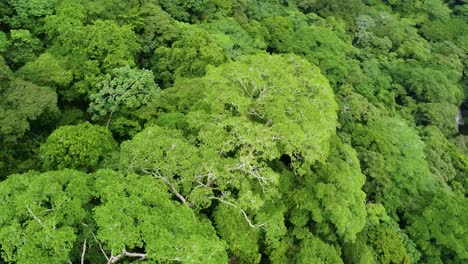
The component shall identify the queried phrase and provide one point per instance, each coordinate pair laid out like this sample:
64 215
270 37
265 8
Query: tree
69 216
23 47
440 230
89 50
445 159
324 47
392 157
136 212
47 70
24 14
381 241
4 42
120 94
214 151
196 10
426 84
340 175
188 57
84 147
22 102
272 98
441 115
267 111
242 240
43 216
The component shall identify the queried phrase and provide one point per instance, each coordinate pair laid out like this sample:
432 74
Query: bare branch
84 252
34 216
240 209
97 241
243 85
124 253
168 183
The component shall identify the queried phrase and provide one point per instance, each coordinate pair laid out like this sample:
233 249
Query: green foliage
381 241
89 50
120 93
344 9
243 241
46 70
341 176
440 230
189 56
235 37
4 42
42 215
157 29
323 47
47 217
23 48
84 147
440 115
136 212
328 200
226 146
248 153
392 158
22 102
312 249
445 159
5 73
426 84
27 14
279 28
196 10
283 100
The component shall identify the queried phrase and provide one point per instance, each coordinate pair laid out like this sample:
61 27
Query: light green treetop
82 146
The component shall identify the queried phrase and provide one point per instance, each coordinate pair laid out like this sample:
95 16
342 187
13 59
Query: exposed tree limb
83 252
97 241
240 209
168 183
124 253
34 216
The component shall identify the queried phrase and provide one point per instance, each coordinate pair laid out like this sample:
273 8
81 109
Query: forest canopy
234 131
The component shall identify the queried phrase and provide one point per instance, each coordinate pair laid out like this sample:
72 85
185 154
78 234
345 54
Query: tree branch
34 216
124 253
97 241
240 209
84 252
168 183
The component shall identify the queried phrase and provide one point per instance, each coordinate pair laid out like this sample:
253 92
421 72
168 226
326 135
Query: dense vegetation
233 131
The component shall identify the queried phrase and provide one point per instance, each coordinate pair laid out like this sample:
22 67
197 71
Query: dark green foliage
381 241
189 56
46 70
440 230
23 47
392 158
20 103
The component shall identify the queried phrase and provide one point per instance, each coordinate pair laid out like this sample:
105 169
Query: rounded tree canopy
81 146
